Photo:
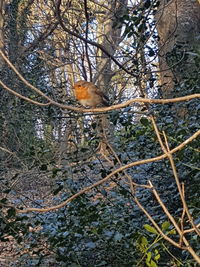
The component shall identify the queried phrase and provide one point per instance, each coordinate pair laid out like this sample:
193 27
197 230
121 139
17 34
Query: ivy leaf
151 53
150 229
147 4
157 255
144 241
3 200
165 225
144 121
58 189
152 264
172 232
43 167
90 245
149 255
11 212
118 236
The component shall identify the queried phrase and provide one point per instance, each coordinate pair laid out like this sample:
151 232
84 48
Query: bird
89 95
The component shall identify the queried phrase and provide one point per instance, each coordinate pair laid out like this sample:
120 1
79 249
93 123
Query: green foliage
12 225
93 233
150 229
153 248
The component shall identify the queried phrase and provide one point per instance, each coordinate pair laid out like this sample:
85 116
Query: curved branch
23 97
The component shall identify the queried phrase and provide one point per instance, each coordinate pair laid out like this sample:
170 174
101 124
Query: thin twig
156 225
182 216
179 186
23 97
191 229
187 245
166 150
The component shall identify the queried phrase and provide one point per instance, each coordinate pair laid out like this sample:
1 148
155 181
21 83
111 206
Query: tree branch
73 33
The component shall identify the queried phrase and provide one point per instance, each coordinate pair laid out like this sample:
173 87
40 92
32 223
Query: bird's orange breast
81 92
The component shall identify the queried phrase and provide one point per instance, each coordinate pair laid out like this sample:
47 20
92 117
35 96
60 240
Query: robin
89 94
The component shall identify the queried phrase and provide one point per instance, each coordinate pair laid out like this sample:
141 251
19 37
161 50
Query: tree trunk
110 37
178 26
2 3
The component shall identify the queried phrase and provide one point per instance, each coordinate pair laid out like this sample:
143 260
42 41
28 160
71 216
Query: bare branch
73 33
167 152
23 97
187 245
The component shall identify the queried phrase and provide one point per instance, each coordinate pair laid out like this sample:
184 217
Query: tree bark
2 44
178 26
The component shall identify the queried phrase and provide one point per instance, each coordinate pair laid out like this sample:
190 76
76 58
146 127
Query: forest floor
28 187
